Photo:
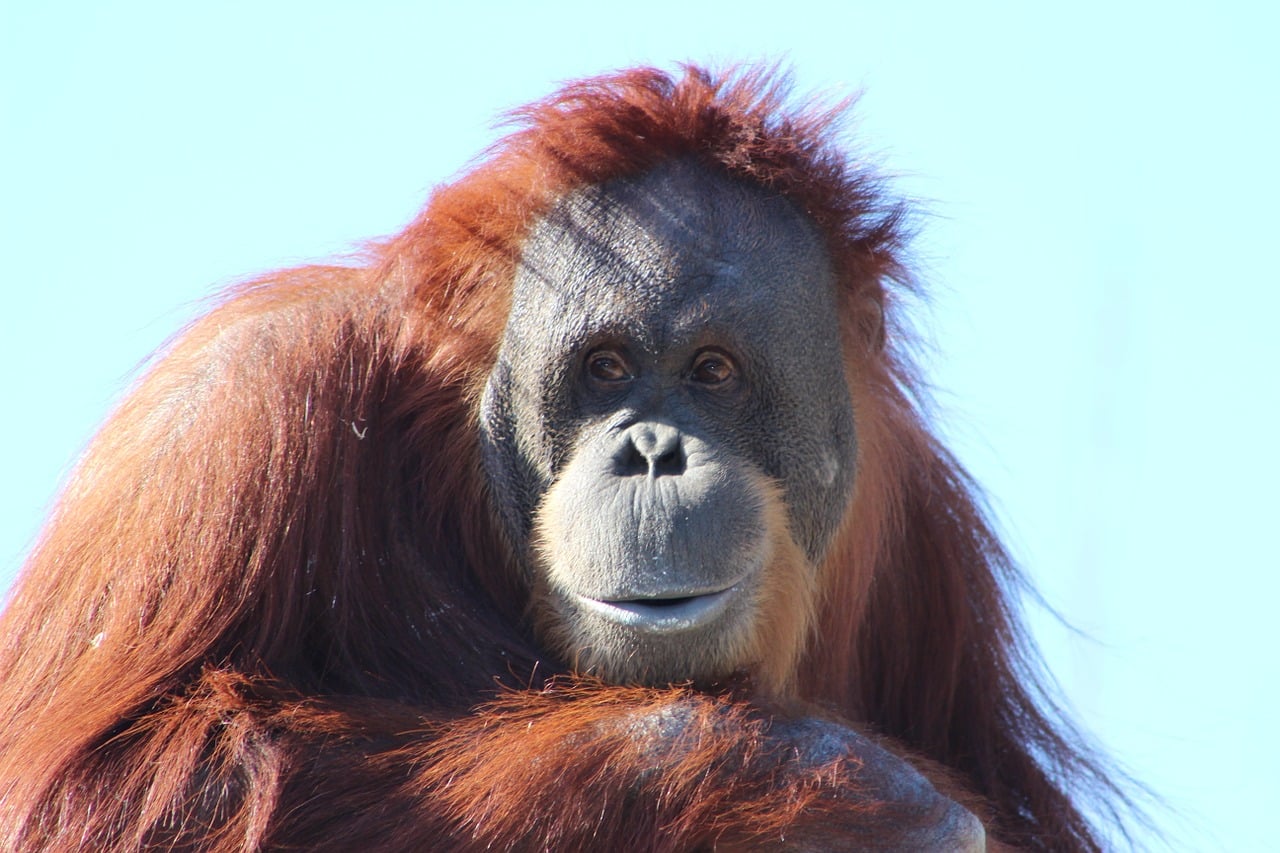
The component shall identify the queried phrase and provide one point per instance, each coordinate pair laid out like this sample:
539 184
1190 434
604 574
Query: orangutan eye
608 367
712 368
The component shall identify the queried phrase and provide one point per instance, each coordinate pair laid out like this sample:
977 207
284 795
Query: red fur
271 607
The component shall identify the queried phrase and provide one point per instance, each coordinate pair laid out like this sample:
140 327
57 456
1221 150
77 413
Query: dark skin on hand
591 512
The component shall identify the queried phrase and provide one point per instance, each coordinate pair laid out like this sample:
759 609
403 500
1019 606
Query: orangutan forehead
668 241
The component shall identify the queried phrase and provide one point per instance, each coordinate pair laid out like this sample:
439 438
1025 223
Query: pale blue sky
1101 181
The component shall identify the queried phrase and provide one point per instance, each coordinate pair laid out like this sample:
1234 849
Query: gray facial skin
671 365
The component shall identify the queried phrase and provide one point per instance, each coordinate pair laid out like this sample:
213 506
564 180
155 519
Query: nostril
671 463
631 462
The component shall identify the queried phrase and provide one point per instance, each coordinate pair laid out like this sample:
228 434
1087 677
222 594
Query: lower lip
653 618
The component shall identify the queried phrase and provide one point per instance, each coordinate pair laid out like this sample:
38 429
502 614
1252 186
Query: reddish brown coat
271 607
